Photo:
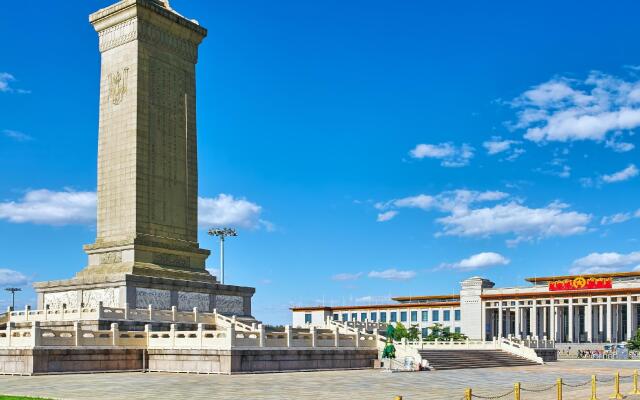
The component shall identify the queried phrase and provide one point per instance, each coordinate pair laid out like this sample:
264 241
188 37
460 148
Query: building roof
561 293
379 306
602 275
446 297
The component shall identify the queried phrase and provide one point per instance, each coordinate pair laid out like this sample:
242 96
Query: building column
588 320
571 333
500 320
545 319
518 328
629 317
601 334
507 322
552 321
609 317
533 320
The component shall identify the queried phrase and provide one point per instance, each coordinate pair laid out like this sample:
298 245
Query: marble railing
223 338
112 313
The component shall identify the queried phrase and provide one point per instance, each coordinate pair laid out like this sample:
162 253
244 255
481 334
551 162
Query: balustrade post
115 334
26 312
201 333
126 311
63 312
336 336
262 335
172 333
9 333
100 311
150 312
36 334
314 336
147 334
357 338
287 332
77 333
196 315
174 314
232 335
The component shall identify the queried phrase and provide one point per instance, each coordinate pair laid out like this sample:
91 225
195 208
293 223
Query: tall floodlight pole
222 233
13 291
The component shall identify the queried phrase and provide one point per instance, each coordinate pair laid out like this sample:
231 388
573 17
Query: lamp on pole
13 291
222 233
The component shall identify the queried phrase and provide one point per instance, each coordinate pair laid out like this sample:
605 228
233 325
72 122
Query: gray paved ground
339 385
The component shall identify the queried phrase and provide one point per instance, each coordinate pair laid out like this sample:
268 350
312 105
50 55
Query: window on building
363 316
425 316
393 317
456 314
345 317
374 316
425 332
354 316
383 316
457 329
446 315
307 318
435 316
403 316
414 316
336 317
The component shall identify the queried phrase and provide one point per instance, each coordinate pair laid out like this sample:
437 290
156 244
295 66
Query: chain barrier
605 380
577 384
493 397
539 390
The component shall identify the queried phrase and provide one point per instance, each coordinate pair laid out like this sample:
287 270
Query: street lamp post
13 291
222 233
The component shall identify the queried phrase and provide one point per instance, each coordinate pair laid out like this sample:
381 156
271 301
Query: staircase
458 359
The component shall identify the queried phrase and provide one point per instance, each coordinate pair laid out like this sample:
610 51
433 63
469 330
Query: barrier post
616 387
635 383
559 388
516 391
593 388
467 394
398 398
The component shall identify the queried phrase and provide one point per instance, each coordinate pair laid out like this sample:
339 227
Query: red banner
581 283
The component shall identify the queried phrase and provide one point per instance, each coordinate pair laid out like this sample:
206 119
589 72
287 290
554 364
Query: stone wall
259 360
63 360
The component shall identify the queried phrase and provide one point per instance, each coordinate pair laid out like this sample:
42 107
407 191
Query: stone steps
458 359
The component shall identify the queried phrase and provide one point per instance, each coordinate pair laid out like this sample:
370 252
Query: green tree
389 351
634 342
391 331
400 332
413 333
437 331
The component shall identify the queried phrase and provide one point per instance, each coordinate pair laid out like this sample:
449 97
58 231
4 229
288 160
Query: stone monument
146 250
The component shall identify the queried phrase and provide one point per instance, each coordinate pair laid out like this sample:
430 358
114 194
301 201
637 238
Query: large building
594 308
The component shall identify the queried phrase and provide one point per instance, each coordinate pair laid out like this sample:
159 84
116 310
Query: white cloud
74 207
392 274
346 276
616 218
620 176
449 154
619 147
476 261
11 277
387 215
564 110
51 208
516 219
498 146
604 262
16 135
228 210
6 79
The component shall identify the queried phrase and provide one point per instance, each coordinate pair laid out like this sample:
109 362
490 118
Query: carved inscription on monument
118 85
171 259
111 257
229 304
108 297
188 300
158 298
58 299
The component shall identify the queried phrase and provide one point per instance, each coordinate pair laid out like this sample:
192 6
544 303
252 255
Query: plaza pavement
339 385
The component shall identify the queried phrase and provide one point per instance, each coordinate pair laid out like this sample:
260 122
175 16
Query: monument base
138 291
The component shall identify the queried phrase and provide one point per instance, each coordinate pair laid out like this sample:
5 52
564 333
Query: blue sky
363 149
